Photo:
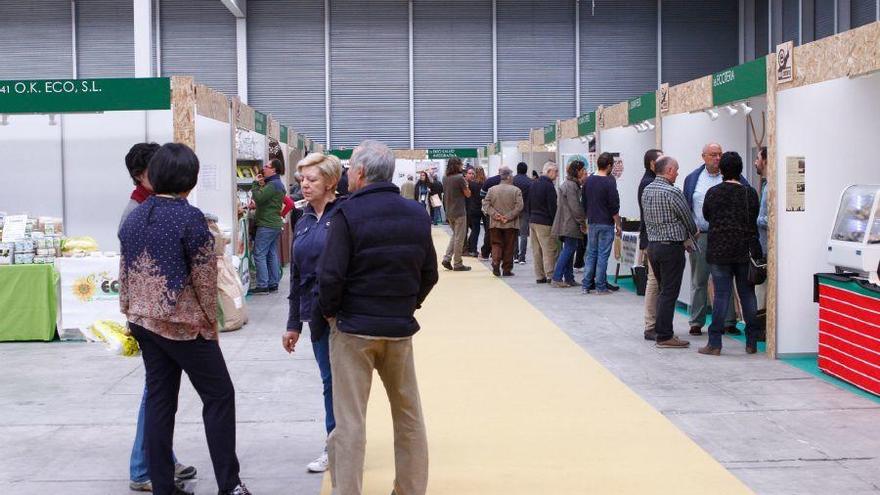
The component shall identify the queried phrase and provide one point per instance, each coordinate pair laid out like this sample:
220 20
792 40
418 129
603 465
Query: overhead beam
237 7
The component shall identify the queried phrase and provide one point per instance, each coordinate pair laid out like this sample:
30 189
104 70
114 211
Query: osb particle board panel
274 130
411 154
851 53
183 102
524 146
536 136
771 174
616 116
211 104
245 117
568 129
691 96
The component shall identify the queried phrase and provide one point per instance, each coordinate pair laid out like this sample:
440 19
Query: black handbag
757 266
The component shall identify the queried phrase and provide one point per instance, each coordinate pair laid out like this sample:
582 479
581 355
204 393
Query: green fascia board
642 108
284 134
740 82
260 123
550 133
586 124
444 153
341 154
84 95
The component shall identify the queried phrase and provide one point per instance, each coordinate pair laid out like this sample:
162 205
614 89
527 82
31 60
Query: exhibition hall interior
457 247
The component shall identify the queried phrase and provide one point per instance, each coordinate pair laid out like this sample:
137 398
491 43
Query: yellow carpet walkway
514 407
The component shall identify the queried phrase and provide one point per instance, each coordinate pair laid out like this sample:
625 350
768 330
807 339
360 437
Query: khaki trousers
456 242
652 290
353 360
544 248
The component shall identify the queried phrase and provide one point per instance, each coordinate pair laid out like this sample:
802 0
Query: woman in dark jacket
731 208
423 191
569 224
475 177
437 211
168 292
319 174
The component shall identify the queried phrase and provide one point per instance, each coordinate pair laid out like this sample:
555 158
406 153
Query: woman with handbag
733 251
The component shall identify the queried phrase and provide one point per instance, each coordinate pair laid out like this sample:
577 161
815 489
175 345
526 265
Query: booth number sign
37 87
85 95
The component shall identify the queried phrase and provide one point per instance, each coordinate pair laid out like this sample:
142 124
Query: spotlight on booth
584 139
591 137
649 125
4 119
731 110
712 113
746 109
52 120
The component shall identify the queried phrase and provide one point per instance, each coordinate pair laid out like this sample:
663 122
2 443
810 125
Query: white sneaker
319 465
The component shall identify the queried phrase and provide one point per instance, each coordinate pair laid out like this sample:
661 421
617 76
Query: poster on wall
566 159
664 97
784 62
89 291
795 183
617 168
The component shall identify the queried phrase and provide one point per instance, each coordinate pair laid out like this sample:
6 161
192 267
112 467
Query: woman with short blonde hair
319 176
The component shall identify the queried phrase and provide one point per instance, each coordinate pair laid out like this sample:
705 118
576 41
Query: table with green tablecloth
28 302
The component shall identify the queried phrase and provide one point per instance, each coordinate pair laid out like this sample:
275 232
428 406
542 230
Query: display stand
29 302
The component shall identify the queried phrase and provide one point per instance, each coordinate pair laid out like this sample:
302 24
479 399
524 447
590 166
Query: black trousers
486 248
580 253
164 359
667 261
474 221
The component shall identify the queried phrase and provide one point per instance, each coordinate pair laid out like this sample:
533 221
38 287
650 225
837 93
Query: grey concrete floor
777 428
68 413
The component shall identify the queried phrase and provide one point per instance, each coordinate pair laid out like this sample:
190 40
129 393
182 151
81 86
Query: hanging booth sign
740 82
550 133
445 153
587 124
785 62
341 154
664 97
261 124
642 108
85 95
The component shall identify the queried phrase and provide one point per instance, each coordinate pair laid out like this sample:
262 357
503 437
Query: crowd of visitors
363 260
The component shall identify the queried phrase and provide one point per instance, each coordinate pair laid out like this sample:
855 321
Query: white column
143 38
327 70
412 108
659 46
577 58
241 57
495 72
74 69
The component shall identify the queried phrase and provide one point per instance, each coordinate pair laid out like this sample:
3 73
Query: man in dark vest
378 268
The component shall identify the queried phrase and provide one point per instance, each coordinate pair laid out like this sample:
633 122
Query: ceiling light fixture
52 120
746 109
731 110
4 119
712 113
650 125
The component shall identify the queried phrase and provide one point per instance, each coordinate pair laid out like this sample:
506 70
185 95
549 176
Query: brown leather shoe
650 335
751 349
710 351
556 284
673 343
696 330
732 331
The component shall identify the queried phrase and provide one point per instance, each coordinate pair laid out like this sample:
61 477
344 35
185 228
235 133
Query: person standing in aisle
474 209
569 224
408 188
320 174
763 212
651 288
486 248
696 184
454 202
378 268
602 204
542 211
670 227
268 194
731 208
168 293
522 181
503 205
423 191
136 162
437 190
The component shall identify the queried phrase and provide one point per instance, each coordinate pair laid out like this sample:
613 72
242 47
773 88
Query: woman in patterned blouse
168 291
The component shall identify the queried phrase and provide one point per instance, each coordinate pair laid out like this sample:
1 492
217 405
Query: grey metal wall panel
699 38
35 39
824 20
863 12
536 64
285 45
104 38
762 28
198 39
791 13
618 51
369 87
452 61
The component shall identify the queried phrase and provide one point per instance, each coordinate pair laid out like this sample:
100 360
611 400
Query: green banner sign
341 154
643 108
284 134
260 122
300 142
498 148
444 153
550 133
740 82
587 124
84 95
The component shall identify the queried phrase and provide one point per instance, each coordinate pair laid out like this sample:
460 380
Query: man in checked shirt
671 230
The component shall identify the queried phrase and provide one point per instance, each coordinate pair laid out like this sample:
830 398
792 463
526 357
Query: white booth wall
214 192
31 166
831 124
402 169
494 165
632 146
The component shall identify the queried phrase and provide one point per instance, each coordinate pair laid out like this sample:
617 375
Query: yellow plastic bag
115 337
83 244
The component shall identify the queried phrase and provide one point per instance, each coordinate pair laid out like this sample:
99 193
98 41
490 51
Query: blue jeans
564 270
599 243
266 257
139 470
322 355
436 216
723 277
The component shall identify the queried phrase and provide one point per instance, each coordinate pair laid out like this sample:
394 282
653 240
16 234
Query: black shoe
732 331
447 265
272 288
496 271
542 281
259 290
650 335
696 331
613 288
461 268
591 287
239 490
507 274
184 472
180 489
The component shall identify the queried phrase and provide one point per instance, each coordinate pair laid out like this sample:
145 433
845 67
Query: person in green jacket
268 194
